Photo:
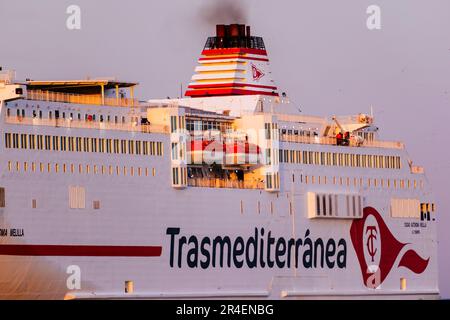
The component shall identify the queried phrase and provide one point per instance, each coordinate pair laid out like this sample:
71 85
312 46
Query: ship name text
261 250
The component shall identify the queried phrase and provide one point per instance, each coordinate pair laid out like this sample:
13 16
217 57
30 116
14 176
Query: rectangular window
116 146
159 150
71 143
94 144
78 144
15 140
123 146
32 141
86 144
77 197
381 162
63 143
173 124
55 143
370 161
23 141
130 146
174 151
405 208
46 144
8 140
145 147
101 145
138 147
267 131
152 148
175 176
346 159
2 197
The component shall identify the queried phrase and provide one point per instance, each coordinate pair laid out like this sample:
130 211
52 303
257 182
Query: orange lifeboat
229 154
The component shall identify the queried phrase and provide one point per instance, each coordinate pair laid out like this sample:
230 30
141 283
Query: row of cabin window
77 199
361 182
340 159
56 114
259 207
79 168
82 144
193 125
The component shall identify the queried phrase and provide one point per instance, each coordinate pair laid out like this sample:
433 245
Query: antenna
371 111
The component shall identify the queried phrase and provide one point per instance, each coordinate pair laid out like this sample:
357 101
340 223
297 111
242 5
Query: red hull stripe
201 86
226 92
233 57
234 51
80 251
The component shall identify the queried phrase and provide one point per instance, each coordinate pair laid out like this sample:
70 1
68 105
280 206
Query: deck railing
94 99
223 183
82 124
333 141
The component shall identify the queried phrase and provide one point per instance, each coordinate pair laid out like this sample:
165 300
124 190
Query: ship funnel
233 62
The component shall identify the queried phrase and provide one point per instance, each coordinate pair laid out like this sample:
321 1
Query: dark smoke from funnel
223 12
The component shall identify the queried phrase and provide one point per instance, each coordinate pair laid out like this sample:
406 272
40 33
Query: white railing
333 141
307 139
81 124
94 99
222 183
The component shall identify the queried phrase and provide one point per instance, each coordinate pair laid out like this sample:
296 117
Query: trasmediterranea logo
377 249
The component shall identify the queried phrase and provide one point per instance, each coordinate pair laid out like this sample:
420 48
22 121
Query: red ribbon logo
377 249
257 74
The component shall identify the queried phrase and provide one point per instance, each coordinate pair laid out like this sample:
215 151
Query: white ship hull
96 201
133 214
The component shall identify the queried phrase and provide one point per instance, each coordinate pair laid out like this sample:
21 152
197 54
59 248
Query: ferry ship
228 192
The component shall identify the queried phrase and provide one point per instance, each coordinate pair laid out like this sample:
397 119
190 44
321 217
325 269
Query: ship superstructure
228 192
